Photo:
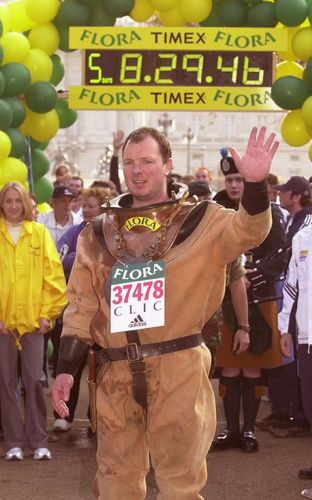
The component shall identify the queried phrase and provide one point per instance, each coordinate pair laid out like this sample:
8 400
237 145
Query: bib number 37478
138 296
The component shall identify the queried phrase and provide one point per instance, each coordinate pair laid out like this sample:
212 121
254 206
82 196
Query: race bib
138 296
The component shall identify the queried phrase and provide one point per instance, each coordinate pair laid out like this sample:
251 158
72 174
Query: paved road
269 474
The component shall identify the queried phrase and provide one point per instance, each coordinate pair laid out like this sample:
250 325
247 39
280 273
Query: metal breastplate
146 233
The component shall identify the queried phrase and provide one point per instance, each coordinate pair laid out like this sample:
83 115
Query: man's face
75 185
62 206
203 175
272 193
145 172
234 186
288 199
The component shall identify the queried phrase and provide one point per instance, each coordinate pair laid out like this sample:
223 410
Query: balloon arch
34 33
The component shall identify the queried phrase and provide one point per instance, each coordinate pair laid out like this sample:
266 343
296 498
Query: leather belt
135 352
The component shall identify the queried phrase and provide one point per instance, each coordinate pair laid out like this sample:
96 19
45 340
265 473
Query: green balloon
43 189
249 3
232 13
1 54
289 92
100 16
18 142
310 11
19 112
66 115
291 12
38 145
6 115
307 74
262 15
17 79
50 349
72 13
212 19
41 97
40 164
118 8
58 69
2 84
63 32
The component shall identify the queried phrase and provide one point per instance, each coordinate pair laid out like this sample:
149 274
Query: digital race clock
189 68
178 68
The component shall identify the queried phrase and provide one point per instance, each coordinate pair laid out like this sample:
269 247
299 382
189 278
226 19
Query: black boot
230 391
252 390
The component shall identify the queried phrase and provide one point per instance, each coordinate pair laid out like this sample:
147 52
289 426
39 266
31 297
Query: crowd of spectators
263 306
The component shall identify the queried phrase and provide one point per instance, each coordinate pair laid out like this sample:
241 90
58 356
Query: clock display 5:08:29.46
178 68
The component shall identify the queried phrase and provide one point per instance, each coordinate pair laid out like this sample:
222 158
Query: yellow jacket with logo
32 280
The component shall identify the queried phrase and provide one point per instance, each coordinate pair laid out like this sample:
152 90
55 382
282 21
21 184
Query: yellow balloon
172 17
39 64
288 55
310 152
42 126
24 128
43 207
306 23
12 169
5 145
302 44
15 47
141 11
195 11
5 18
293 129
306 111
20 21
45 37
289 68
163 5
42 11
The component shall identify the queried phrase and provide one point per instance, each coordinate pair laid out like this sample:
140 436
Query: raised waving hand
254 165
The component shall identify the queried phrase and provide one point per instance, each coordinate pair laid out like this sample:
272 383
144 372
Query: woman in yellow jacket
32 288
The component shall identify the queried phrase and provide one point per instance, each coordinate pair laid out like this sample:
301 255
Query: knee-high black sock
252 391
230 392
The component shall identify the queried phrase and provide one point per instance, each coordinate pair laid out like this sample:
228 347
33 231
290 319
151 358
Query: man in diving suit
154 395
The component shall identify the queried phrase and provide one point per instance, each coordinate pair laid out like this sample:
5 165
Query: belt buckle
132 351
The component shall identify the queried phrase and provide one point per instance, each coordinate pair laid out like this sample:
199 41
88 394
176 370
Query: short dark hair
272 179
139 134
77 178
305 201
61 166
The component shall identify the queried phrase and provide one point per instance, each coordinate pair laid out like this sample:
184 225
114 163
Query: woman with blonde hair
32 295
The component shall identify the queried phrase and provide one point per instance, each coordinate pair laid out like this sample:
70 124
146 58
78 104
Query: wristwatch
246 328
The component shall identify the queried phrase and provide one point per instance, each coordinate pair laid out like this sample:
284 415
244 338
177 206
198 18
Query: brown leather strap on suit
138 371
134 352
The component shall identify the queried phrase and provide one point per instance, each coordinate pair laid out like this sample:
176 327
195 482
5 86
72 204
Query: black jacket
265 260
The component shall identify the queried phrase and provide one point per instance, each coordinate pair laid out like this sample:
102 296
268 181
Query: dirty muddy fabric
179 428
181 410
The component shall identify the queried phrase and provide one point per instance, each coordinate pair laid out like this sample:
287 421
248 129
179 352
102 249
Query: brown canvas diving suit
178 427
